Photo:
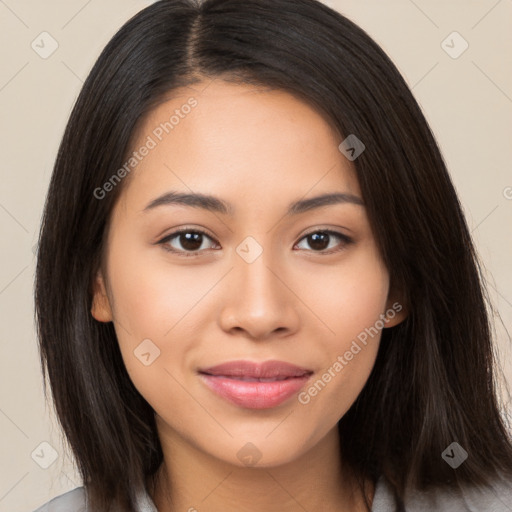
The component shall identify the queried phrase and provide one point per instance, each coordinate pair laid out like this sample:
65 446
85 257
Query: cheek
349 297
158 309
352 304
152 296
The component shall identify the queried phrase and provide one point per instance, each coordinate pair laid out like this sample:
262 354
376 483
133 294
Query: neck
191 480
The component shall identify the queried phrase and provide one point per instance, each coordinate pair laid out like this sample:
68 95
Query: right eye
190 240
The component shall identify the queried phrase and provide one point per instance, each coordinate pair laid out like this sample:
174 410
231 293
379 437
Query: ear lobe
100 308
396 311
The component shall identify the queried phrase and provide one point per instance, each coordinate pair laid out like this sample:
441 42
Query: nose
259 302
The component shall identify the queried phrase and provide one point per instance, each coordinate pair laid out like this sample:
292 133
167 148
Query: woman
255 287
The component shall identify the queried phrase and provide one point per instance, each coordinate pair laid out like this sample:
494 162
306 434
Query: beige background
467 100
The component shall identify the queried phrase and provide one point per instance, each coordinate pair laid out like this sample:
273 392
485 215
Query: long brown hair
433 382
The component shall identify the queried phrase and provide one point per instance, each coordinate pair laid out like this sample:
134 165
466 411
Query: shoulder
496 497
76 501
71 501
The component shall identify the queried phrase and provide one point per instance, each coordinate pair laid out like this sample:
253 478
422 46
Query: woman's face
263 283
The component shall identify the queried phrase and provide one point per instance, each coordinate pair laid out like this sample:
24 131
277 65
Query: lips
255 385
247 370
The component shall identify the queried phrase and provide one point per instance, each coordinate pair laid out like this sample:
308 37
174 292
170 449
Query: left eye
191 241
318 239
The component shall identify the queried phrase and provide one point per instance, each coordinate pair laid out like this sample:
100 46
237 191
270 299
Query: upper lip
264 370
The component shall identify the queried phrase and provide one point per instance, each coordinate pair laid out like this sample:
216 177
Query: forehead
241 142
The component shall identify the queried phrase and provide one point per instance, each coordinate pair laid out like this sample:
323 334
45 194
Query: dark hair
433 381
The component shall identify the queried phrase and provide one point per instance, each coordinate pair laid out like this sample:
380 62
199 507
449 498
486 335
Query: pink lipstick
255 385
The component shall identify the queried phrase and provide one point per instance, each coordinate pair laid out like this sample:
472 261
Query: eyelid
321 229
346 240
185 229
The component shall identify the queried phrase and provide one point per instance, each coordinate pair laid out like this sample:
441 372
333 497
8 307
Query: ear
396 309
100 309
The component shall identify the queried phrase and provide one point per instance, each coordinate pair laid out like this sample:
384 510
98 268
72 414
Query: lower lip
255 395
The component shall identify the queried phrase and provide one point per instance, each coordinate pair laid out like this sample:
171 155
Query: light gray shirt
497 498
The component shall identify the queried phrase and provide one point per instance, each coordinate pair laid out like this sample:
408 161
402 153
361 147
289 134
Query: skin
259 150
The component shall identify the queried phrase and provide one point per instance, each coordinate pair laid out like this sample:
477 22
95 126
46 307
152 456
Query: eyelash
187 254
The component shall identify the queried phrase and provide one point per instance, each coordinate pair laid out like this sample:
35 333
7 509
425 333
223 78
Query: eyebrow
217 205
